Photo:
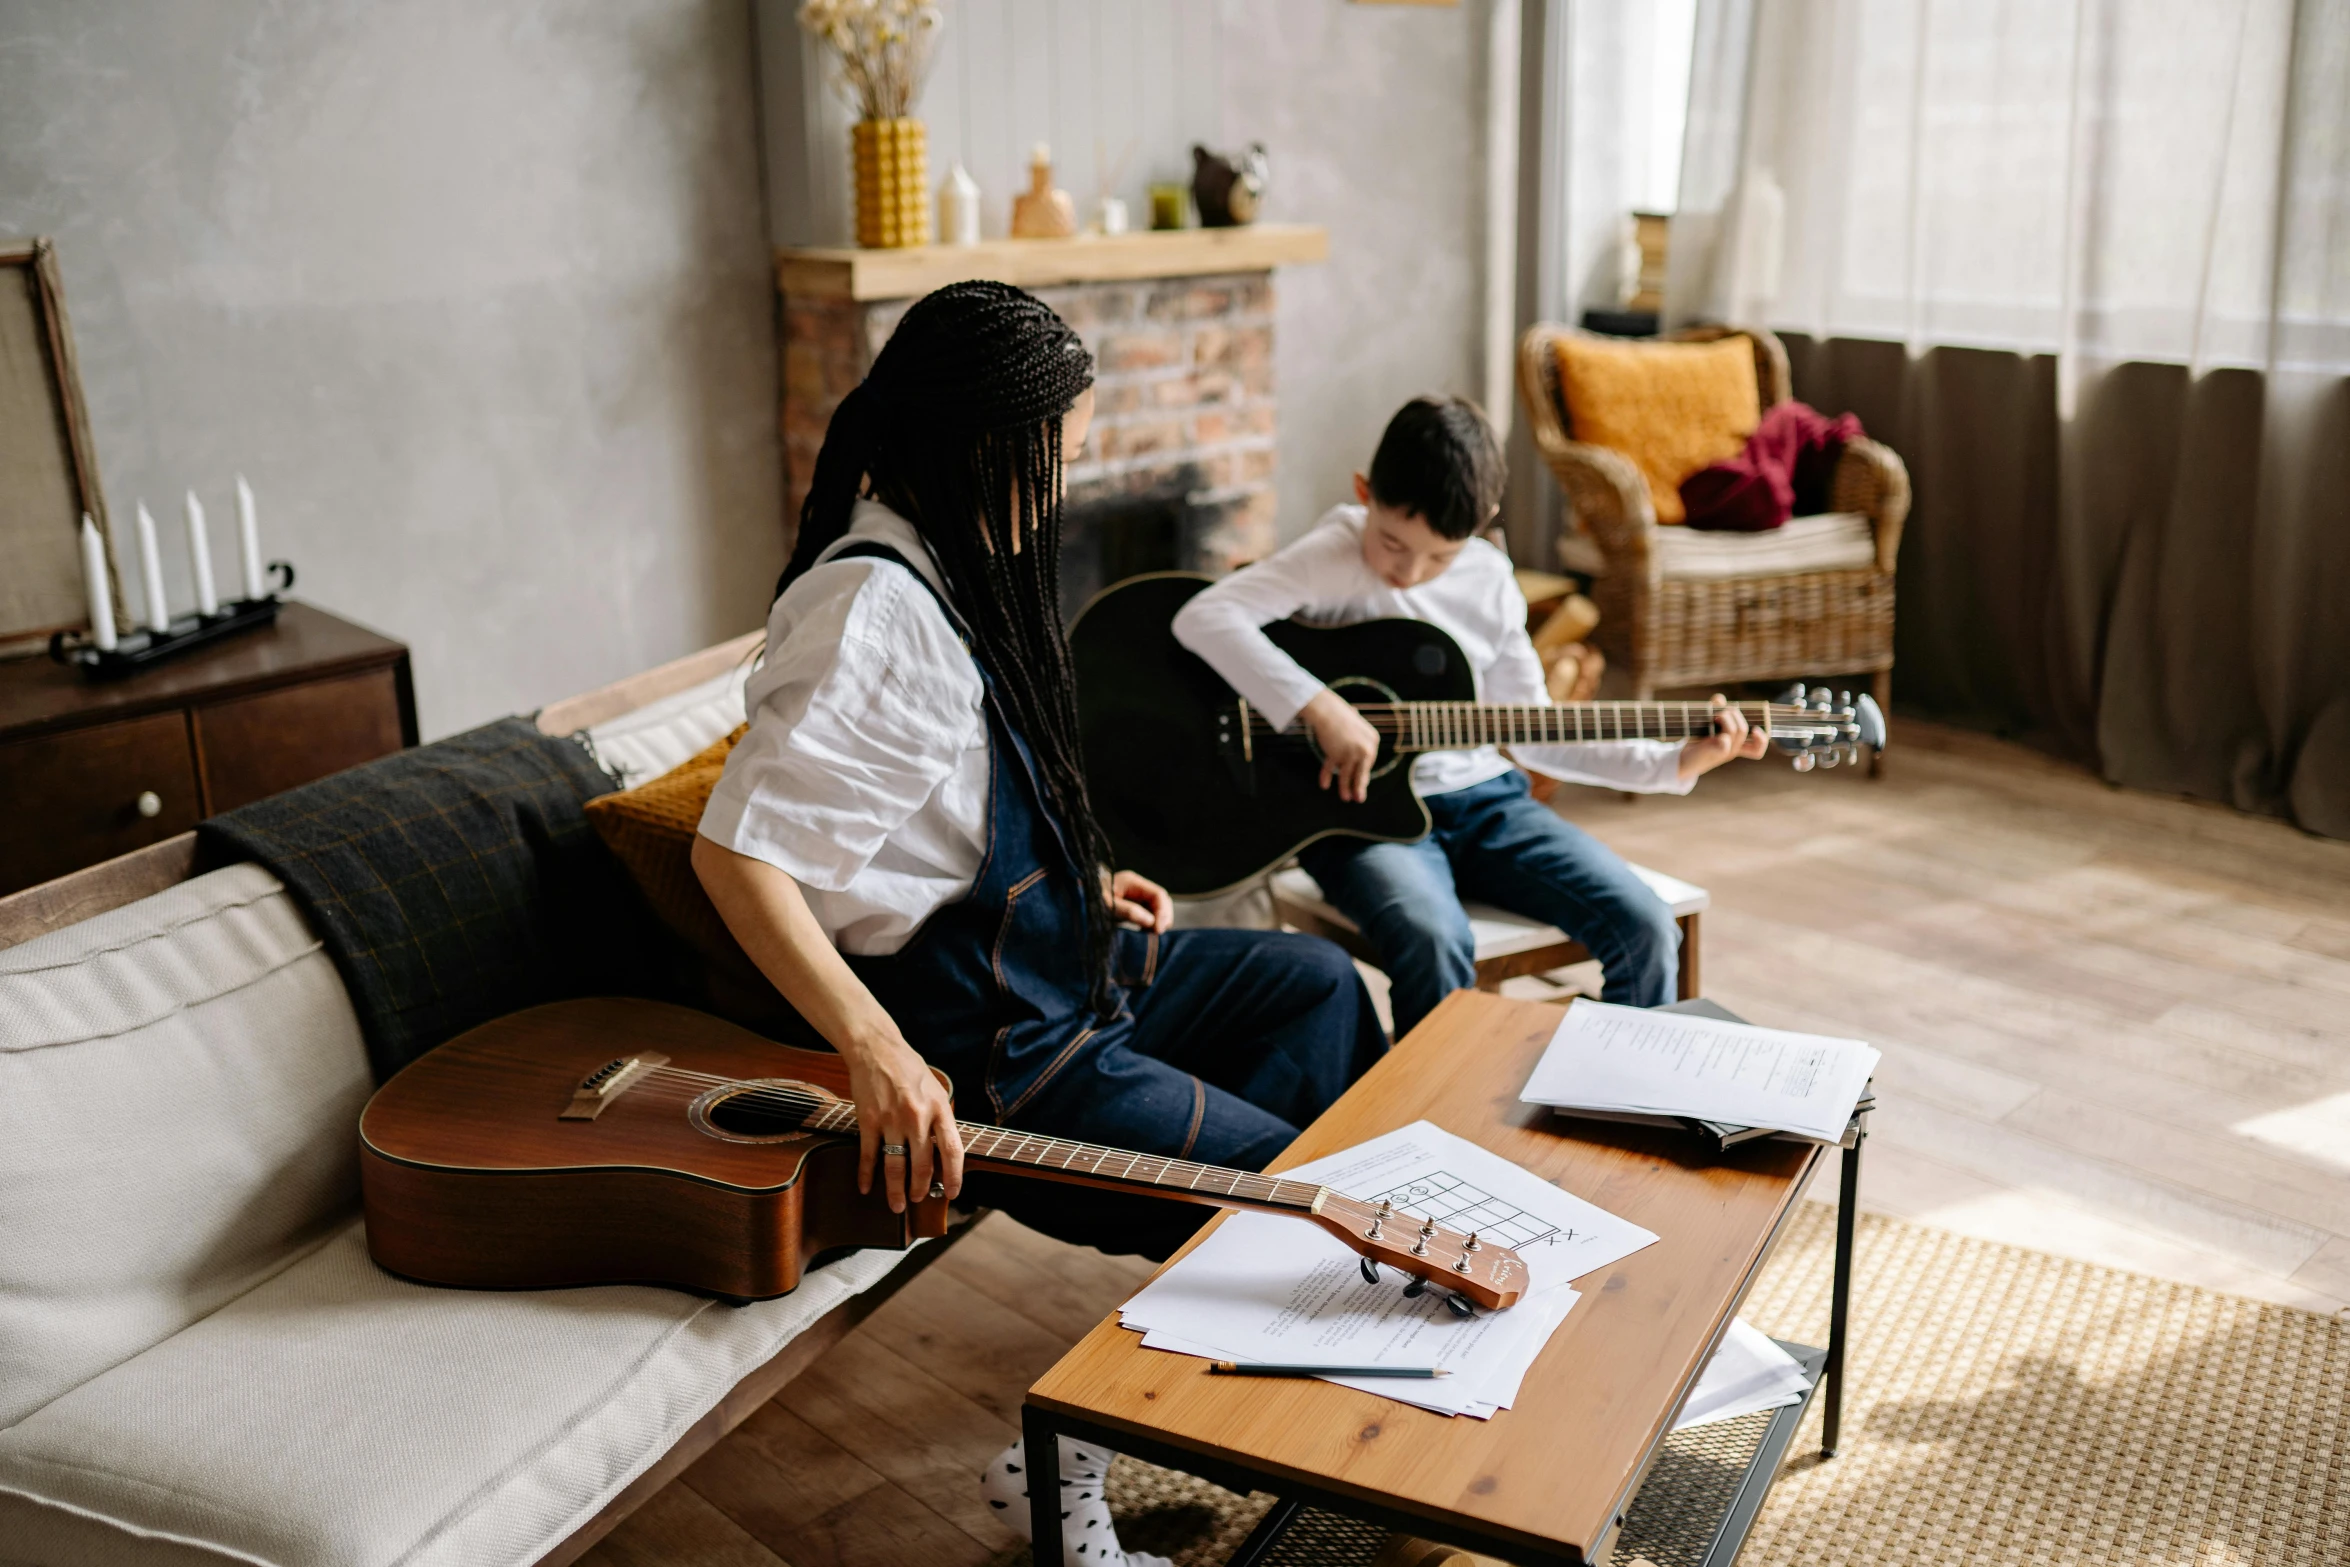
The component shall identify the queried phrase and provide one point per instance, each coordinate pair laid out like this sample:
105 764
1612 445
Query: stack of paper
1667 1063
1270 1289
1748 1372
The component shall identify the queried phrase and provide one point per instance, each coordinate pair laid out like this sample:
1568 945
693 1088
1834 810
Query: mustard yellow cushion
650 830
1672 408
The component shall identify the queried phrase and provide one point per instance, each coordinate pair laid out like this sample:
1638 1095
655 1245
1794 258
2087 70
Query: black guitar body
1186 798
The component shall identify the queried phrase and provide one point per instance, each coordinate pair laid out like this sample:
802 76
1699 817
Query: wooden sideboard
92 769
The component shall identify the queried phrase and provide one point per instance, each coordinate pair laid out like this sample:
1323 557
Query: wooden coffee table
1549 1480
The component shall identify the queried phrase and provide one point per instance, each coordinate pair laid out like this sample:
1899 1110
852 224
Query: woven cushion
180 1086
650 829
1672 408
1832 541
339 1417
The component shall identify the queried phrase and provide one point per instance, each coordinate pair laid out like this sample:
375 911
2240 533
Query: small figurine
1042 212
1229 192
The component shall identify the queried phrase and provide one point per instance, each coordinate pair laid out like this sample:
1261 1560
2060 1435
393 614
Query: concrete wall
477 296
1374 117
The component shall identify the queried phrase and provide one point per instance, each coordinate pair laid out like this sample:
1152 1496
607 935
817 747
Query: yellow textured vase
892 160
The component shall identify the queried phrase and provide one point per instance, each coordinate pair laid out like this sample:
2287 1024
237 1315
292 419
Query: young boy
1408 549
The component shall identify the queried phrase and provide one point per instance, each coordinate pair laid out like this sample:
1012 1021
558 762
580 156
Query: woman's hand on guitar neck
900 1101
1348 743
1732 737
901 1104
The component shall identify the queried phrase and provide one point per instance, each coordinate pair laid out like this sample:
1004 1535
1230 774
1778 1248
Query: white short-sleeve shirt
864 773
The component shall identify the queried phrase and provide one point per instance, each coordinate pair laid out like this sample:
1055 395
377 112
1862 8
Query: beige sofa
198 1362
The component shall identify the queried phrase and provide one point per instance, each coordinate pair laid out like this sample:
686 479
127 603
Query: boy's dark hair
1440 461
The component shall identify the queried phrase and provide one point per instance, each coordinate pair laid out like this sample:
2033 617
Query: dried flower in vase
883 47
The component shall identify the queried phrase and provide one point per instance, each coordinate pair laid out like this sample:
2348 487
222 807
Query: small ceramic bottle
958 208
1041 212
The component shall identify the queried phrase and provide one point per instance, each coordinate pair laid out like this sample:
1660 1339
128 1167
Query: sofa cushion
337 1415
1832 541
180 1083
653 739
1670 407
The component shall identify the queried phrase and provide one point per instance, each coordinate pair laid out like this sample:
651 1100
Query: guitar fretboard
1004 1145
1453 726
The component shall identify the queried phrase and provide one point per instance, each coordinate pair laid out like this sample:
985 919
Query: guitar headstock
1475 1270
1817 728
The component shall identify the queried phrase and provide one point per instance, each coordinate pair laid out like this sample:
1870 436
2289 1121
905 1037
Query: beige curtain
2087 266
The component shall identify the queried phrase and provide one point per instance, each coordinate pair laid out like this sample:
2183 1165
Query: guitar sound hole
762 1112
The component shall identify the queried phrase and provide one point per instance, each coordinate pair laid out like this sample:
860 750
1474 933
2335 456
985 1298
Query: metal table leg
1043 1445
1840 1306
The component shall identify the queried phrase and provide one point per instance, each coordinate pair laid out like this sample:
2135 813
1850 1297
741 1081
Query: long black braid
957 428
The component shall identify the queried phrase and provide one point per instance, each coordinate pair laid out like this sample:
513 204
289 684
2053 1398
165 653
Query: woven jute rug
2002 1406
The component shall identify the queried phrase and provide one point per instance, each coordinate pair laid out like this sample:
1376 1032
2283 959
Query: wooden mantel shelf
1035 263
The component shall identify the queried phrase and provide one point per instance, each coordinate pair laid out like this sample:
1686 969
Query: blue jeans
1496 843
1232 1042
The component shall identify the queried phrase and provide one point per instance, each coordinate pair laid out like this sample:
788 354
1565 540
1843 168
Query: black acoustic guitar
1199 793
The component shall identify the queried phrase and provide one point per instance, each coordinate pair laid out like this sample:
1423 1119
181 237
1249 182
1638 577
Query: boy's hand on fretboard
1732 738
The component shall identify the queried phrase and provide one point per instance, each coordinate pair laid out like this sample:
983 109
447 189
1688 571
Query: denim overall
1223 1044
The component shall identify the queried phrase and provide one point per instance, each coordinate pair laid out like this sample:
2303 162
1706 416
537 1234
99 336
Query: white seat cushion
1831 541
339 1417
657 736
1497 932
180 1080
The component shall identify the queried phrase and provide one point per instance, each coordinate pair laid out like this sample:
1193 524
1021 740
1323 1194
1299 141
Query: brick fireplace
1178 471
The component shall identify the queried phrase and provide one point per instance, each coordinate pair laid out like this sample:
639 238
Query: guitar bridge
607 1083
1237 746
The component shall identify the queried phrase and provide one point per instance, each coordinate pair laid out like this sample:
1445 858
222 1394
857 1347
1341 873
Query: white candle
200 557
248 539
101 593
151 573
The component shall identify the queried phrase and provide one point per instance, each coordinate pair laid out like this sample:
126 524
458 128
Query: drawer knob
150 803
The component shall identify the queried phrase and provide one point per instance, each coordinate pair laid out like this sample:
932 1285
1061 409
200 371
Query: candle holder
139 649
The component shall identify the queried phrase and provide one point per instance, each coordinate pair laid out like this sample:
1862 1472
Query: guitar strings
684 1086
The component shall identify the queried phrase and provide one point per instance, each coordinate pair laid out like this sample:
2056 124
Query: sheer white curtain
2108 180
2132 530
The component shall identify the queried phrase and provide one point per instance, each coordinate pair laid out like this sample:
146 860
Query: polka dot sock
1088 1538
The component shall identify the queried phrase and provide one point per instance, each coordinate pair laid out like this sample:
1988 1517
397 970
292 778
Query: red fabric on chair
1787 466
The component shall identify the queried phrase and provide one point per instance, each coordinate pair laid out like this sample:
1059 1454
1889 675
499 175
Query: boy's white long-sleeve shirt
1322 580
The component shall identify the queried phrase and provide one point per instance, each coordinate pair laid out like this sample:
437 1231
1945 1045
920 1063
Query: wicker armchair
1684 608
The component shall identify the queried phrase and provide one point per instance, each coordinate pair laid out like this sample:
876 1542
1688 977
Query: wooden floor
2115 1027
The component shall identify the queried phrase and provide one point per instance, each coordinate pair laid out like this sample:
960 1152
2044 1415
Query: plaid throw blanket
454 883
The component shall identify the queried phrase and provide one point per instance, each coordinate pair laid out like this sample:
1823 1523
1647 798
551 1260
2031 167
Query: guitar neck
1454 726
1002 1149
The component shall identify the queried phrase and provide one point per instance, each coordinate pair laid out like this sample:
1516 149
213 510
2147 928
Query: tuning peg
1370 1270
1471 1243
1805 761
1415 1289
1460 1305
1830 756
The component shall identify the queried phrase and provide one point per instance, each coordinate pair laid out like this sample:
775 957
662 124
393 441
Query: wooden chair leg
1687 984
1881 687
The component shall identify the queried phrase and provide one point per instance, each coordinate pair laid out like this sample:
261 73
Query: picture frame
48 462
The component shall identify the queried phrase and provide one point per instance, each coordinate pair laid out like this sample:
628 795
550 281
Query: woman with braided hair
901 841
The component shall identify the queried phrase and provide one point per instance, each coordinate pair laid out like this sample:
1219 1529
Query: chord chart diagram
1457 1204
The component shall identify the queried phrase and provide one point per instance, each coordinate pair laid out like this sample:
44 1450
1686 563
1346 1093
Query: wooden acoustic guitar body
1180 801
471 1176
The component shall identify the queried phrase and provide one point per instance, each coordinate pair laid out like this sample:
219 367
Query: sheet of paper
1267 1288
1630 1058
1748 1372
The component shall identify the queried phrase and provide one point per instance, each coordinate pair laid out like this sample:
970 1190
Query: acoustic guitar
1200 794
617 1141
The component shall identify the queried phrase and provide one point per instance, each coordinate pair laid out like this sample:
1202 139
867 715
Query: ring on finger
895 1150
